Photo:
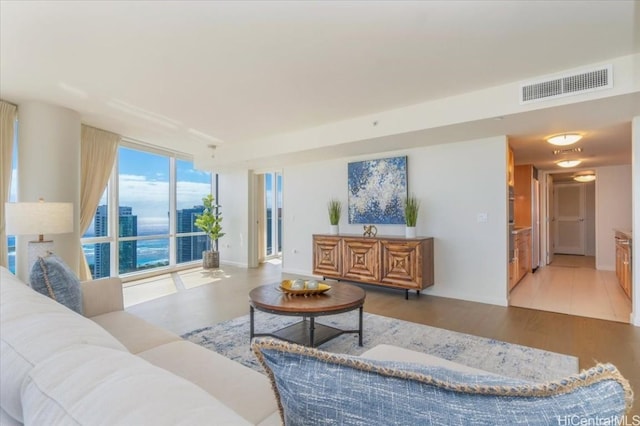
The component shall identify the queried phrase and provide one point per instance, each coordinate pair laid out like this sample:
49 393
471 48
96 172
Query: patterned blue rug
231 339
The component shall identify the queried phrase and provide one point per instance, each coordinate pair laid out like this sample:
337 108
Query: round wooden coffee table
340 298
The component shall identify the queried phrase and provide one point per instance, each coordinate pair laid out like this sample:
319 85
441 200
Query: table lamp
38 218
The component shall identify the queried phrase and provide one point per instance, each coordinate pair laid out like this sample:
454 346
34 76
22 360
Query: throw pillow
52 277
316 387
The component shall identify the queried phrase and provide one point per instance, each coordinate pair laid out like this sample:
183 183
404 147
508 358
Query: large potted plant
209 221
411 208
334 207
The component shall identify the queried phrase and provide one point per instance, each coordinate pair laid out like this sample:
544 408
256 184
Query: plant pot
210 259
410 232
333 230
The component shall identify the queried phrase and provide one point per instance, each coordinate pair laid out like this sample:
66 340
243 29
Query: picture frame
377 190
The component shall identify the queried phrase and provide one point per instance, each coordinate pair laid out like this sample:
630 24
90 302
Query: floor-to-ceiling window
13 197
191 186
144 221
273 214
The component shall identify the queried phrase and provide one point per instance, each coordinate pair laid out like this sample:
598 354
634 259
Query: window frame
113 192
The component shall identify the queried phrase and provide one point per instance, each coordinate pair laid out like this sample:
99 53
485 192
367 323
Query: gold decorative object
370 231
288 287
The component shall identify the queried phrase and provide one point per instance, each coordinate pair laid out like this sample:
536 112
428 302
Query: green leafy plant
411 208
209 221
335 210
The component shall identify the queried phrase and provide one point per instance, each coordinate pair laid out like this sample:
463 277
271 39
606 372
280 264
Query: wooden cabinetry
521 263
623 262
510 168
405 263
523 244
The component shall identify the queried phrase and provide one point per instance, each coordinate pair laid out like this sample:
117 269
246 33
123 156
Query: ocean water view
149 253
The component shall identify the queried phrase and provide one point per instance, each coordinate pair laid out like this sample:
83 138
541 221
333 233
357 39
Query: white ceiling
192 73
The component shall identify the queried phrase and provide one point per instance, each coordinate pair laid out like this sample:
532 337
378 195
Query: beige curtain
98 150
8 113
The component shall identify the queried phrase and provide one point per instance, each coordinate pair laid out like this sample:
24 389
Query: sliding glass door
273 214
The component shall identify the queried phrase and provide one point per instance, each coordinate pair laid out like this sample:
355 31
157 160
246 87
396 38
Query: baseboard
297 272
231 263
634 319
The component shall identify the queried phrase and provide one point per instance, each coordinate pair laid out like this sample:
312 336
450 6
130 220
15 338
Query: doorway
569 282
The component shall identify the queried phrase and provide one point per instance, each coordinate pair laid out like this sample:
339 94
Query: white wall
49 168
613 211
233 196
454 182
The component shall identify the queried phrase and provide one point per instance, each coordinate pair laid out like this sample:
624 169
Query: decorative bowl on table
303 287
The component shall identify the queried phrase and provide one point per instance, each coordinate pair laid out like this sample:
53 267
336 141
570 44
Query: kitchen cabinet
521 262
404 263
510 168
623 261
527 209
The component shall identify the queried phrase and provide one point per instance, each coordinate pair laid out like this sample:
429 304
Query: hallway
572 285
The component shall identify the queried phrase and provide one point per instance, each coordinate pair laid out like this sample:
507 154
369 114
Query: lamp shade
38 218
564 139
585 178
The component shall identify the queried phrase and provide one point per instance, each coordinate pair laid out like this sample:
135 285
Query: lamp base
38 249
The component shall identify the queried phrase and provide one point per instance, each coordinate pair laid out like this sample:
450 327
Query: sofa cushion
27 317
242 389
133 332
52 277
313 386
89 385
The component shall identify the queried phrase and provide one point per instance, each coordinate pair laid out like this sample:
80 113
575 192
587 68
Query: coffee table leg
312 328
250 323
360 326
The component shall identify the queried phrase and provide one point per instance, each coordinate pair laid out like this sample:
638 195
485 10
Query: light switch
483 217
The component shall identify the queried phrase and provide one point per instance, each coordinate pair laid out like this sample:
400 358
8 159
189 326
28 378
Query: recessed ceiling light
564 139
568 163
585 178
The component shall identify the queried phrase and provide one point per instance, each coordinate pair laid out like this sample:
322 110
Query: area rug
231 339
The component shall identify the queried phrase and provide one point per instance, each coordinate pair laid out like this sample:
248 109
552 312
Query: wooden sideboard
404 263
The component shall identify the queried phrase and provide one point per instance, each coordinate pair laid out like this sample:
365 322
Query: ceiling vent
567 84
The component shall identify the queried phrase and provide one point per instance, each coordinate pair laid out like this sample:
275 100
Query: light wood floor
572 285
184 301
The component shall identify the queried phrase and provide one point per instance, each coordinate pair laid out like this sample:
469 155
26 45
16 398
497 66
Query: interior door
551 220
570 211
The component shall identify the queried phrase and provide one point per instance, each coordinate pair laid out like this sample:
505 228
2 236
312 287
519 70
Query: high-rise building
191 247
128 227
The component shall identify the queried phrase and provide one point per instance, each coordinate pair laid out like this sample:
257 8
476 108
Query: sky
144 184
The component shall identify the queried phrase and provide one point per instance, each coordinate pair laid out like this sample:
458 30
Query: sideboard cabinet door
361 259
327 256
402 263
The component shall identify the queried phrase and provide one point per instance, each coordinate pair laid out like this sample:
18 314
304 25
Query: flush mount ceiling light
564 139
568 163
585 178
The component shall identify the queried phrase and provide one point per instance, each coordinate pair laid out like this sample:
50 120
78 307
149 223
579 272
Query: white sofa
58 367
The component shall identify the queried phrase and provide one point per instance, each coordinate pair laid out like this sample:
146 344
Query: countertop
519 229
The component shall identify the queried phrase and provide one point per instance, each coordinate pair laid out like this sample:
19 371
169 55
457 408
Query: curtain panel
98 150
8 114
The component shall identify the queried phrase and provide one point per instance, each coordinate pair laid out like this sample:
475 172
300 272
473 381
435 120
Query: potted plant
411 208
209 221
334 207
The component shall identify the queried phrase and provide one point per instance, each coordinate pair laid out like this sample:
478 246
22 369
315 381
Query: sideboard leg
406 294
418 293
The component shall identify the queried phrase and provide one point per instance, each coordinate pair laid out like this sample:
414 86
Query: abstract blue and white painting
377 190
